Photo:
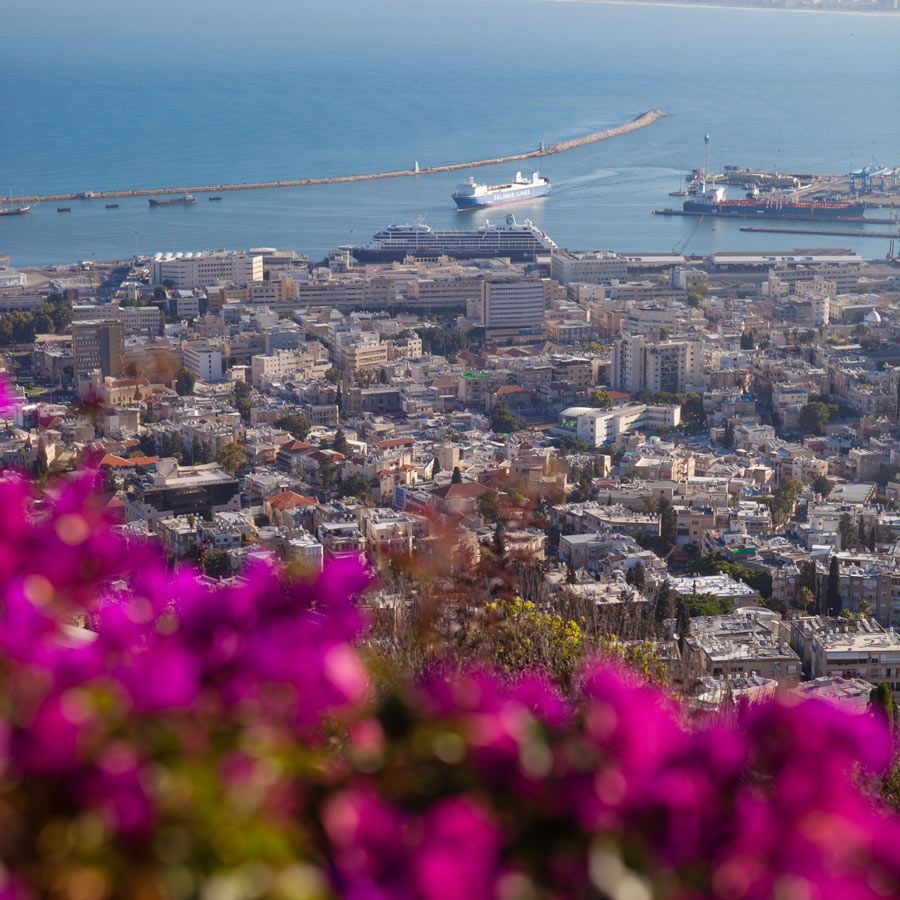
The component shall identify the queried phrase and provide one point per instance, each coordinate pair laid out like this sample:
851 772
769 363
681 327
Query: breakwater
641 121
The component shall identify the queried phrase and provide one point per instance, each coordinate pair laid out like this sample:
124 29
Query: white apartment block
602 426
597 267
186 271
203 361
874 656
280 365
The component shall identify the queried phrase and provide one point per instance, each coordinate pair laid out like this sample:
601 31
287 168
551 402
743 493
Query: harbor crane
682 245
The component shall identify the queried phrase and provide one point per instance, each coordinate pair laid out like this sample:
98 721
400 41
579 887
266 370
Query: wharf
668 211
844 232
641 121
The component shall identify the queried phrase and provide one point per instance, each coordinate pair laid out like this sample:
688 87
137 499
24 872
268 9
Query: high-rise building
97 345
656 366
512 302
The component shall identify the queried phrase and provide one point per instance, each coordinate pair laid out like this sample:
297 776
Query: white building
281 365
186 271
602 426
512 302
203 361
595 267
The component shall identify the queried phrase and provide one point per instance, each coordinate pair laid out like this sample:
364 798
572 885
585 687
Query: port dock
668 211
844 232
641 121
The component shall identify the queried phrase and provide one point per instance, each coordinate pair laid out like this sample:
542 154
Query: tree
682 623
707 605
822 485
499 540
184 382
815 416
784 499
489 506
231 457
601 399
340 444
805 599
296 424
873 539
747 340
636 576
665 602
355 486
217 564
456 477
881 702
41 467
333 376
668 520
833 591
862 536
847 532
327 471
241 399
728 435
502 419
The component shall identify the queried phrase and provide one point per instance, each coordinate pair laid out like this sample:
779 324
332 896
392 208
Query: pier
844 232
668 211
641 121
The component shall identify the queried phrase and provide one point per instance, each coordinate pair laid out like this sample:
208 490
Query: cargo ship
471 195
713 202
174 201
397 242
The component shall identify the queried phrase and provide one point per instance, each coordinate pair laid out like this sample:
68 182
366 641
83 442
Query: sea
102 94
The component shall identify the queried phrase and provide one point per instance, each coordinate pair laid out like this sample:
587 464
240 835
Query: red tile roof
120 462
460 491
289 500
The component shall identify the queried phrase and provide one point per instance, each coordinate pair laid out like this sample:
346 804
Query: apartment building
203 361
97 346
656 366
741 643
363 354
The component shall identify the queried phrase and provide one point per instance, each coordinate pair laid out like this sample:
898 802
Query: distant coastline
724 4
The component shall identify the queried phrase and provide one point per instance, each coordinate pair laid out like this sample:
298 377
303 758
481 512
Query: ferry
174 201
471 195
517 242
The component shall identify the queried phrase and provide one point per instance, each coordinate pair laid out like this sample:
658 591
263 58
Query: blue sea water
102 94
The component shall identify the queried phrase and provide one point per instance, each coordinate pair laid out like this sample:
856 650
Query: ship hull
180 202
501 197
743 210
21 211
366 255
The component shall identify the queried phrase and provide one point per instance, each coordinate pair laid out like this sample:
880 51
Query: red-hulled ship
713 202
